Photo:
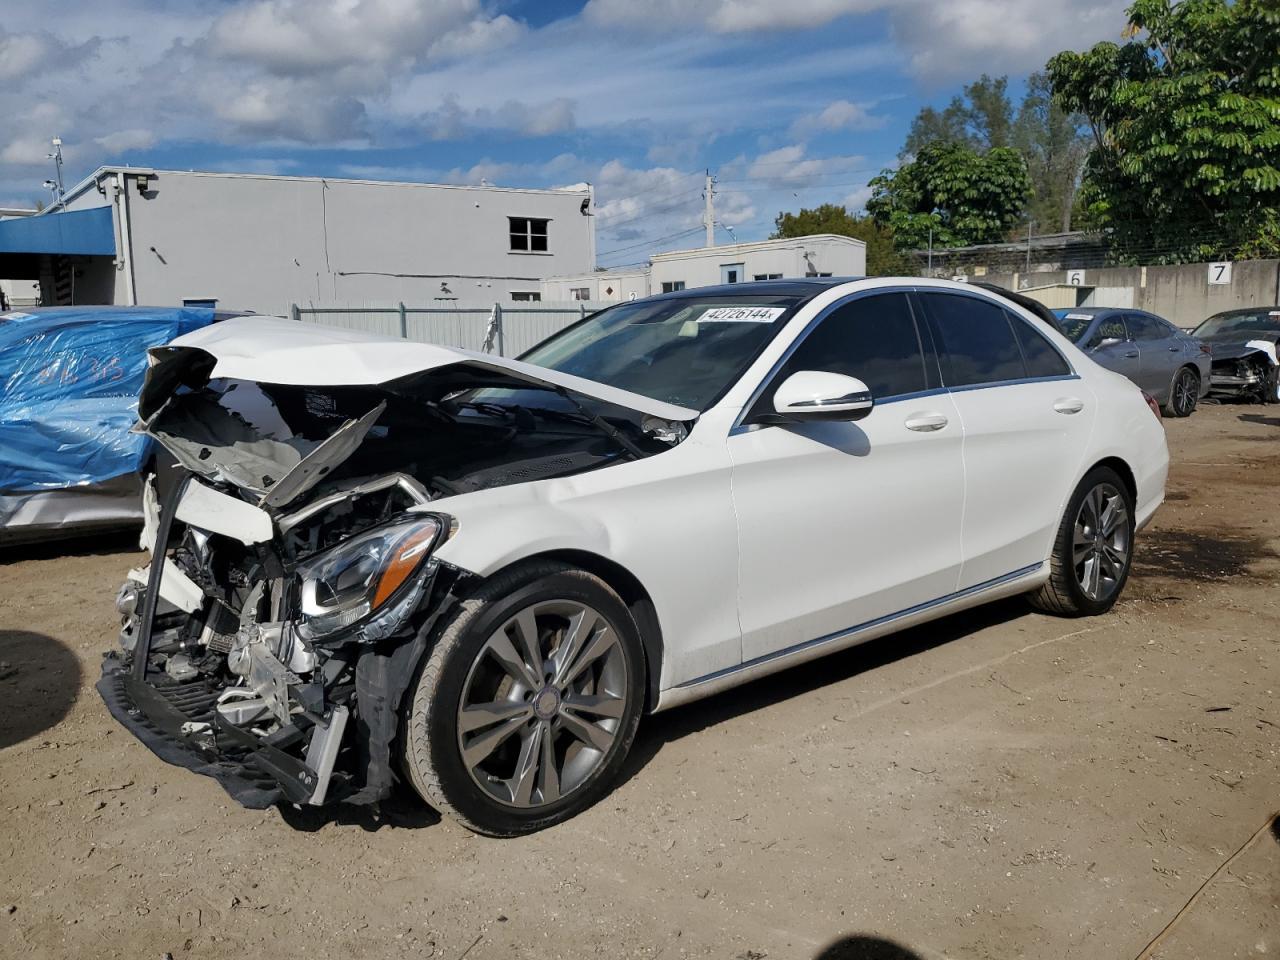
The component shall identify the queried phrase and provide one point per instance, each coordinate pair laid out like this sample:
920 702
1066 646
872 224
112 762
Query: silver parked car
1169 364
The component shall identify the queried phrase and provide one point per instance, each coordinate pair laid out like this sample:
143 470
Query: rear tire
1184 393
1092 550
524 712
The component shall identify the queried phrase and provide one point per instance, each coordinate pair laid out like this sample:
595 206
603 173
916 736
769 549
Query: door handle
1068 405
925 422
1174 349
1131 356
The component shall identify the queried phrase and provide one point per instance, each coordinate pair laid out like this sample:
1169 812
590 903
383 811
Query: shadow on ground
39 682
1195 557
802 680
95 545
1259 419
859 947
402 809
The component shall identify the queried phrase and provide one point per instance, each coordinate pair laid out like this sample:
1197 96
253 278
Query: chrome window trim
1011 308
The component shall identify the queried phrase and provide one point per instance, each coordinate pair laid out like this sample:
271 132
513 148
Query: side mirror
814 395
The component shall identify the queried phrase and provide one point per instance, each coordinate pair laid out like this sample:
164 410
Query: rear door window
1038 354
1142 327
977 345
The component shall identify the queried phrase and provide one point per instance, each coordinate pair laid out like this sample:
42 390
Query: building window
580 293
732 272
526 296
815 273
528 235
766 276
671 286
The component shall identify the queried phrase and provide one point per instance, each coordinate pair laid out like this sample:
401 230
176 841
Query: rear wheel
1184 393
526 708
1093 549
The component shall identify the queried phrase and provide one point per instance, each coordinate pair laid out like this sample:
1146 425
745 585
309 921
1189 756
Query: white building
820 255
248 241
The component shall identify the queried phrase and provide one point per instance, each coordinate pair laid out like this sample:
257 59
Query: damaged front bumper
180 724
246 699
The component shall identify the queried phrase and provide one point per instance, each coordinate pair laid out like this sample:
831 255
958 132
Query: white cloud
943 39
320 36
20 53
121 140
838 115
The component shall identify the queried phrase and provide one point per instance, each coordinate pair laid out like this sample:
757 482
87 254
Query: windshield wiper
604 425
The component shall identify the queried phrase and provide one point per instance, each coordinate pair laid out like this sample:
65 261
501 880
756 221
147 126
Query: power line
651 243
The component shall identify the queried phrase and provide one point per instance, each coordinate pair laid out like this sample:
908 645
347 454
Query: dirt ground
998 784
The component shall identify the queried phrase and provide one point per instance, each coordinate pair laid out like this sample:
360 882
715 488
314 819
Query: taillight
1151 402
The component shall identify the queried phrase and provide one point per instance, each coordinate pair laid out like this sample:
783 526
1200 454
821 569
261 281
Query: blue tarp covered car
69 382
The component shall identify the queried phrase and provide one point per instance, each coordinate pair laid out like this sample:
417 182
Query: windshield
687 351
1260 321
1074 325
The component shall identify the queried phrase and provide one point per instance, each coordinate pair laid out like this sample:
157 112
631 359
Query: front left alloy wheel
527 705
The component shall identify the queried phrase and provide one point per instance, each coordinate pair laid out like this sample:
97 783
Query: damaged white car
376 560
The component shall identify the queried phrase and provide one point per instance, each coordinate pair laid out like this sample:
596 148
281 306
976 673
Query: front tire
525 709
1093 549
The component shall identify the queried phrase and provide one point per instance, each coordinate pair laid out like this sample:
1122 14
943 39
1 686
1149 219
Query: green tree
1055 144
1185 119
980 119
959 195
883 260
1053 141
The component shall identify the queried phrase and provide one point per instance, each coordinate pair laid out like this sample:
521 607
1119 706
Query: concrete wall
261 243
1181 294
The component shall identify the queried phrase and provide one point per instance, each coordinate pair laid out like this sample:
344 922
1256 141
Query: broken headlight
358 578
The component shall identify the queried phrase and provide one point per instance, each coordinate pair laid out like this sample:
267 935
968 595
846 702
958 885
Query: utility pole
56 157
709 215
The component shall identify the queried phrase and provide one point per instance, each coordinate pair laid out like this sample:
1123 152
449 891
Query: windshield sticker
1079 316
742 315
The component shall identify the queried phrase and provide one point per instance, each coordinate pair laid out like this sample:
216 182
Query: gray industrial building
129 235
817 255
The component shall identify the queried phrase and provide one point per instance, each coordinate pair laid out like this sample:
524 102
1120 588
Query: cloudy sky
789 102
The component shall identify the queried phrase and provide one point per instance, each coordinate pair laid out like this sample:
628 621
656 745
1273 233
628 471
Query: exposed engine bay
293 588
1249 370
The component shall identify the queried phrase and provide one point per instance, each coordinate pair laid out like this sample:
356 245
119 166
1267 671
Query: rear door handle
926 422
1068 405
1175 349
1131 356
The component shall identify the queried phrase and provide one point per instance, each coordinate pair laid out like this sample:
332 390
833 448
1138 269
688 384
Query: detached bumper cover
255 774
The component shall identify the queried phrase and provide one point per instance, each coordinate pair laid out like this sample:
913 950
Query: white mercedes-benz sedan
375 560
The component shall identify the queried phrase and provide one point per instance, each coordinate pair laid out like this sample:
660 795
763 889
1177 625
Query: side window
977 344
1146 328
872 338
1039 355
1112 328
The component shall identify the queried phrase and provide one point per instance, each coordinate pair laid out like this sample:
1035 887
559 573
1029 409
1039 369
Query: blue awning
66 231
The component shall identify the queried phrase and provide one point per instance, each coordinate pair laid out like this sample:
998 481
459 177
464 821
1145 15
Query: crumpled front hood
240 437
1232 345
276 350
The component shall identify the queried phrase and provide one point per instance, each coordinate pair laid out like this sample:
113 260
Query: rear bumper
256 774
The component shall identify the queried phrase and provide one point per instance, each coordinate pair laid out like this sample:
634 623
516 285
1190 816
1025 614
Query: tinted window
976 340
1039 355
1111 328
1142 327
871 338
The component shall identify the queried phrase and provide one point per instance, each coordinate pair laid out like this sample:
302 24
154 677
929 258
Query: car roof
1244 310
794 287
